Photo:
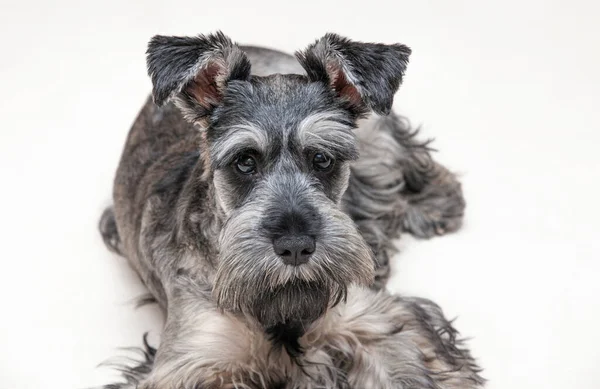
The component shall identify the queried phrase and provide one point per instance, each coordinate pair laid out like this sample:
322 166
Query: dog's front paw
427 225
403 342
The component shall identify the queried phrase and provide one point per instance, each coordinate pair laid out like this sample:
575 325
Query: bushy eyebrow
329 131
239 138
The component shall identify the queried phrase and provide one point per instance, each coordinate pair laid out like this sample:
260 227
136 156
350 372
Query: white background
509 89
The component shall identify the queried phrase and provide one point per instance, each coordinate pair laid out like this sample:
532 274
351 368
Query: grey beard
298 302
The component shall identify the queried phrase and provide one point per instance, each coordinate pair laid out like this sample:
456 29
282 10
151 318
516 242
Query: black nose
294 249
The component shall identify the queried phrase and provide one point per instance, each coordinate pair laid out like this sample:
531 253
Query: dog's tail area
135 368
109 232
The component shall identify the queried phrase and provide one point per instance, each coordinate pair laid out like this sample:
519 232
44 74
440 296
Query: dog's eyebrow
240 137
329 131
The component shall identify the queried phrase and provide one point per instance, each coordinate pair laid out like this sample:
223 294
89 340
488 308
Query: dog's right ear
194 71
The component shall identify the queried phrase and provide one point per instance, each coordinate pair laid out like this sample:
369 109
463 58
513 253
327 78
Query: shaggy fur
279 159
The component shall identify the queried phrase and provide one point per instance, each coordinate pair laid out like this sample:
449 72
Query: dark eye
322 162
246 164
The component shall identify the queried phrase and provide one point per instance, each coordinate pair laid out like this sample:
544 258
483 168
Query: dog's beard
297 302
253 280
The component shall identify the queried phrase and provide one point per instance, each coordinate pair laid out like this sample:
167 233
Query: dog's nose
295 249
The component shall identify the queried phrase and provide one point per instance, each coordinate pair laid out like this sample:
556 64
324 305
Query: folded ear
365 75
194 71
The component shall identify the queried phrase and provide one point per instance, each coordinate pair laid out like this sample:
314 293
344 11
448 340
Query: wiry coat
194 231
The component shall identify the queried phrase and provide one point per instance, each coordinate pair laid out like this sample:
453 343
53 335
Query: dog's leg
434 195
396 184
385 341
109 232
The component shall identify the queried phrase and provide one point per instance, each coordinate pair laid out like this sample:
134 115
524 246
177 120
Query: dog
258 196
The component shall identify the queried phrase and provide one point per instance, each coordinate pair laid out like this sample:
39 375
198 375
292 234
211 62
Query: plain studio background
509 89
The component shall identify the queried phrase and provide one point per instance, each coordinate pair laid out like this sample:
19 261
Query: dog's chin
287 311
295 303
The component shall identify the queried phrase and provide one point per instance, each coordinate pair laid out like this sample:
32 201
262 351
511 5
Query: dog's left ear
365 75
194 71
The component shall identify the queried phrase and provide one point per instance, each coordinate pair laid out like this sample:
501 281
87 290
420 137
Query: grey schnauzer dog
258 196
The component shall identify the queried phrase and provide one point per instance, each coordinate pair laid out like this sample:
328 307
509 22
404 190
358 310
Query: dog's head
278 151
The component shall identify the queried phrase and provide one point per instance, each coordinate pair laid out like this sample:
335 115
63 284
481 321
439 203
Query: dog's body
257 227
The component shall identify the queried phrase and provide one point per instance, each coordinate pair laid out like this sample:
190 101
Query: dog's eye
322 162
246 164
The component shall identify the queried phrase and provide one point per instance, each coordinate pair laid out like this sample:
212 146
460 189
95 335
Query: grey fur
374 69
374 340
200 233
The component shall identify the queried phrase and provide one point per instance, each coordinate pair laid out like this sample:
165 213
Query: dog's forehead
277 103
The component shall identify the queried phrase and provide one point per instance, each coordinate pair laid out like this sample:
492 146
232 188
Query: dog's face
279 150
